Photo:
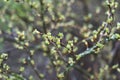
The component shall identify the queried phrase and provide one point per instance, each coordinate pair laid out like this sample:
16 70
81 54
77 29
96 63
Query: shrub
45 40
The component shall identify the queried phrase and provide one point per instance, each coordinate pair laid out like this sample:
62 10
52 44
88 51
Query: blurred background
21 26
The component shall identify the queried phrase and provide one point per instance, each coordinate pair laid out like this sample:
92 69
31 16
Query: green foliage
47 26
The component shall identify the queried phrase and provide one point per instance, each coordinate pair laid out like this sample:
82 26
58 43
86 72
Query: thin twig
42 7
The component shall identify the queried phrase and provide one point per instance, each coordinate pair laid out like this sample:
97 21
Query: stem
42 15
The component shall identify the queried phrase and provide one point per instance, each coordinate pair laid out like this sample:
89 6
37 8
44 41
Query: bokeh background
74 18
